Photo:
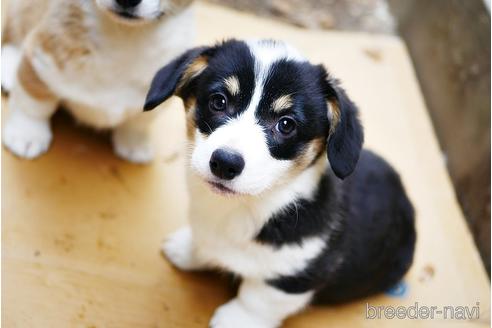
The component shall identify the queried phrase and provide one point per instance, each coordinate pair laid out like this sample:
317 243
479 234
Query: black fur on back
368 222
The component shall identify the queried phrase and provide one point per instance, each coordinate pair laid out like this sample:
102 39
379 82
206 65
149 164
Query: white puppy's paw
234 315
133 146
25 136
178 248
11 56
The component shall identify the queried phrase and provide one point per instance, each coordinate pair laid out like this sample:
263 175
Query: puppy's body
344 239
76 54
266 202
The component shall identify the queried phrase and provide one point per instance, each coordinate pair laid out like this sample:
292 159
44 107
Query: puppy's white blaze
268 51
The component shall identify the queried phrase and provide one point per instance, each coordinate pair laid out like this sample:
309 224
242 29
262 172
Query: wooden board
81 229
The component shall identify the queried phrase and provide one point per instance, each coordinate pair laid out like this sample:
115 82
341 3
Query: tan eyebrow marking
232 84
281 103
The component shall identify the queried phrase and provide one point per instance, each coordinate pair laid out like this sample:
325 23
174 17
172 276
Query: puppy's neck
302 186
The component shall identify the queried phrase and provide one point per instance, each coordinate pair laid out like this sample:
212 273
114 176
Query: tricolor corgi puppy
281 194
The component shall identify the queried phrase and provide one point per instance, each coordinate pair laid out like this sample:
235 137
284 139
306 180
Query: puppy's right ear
177 77
346 135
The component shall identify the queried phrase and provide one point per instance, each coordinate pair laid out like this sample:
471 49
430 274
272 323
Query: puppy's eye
286 125
217 102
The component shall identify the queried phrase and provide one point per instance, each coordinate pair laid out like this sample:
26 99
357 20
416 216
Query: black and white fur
294 224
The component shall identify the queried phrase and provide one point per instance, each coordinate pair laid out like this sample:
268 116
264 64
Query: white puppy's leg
11 56
179 250
132 140
258 305
27 131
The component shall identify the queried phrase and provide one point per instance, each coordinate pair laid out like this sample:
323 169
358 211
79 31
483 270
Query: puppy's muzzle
226 164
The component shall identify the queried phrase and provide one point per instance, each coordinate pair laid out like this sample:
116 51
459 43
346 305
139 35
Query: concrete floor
81 229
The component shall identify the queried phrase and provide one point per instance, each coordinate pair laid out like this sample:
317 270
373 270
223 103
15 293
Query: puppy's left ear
177 77
346 135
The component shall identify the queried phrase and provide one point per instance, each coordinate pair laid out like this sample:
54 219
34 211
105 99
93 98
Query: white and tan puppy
94 57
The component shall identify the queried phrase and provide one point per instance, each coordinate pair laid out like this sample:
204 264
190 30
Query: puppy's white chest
255 260
225 231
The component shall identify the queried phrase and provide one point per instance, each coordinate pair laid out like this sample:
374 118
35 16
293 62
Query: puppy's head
259 114
137 11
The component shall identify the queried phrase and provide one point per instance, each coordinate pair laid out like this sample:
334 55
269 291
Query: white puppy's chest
107 86
101 95
224 231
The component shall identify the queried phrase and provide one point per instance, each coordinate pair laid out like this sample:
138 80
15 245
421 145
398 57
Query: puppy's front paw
234 315
25 136
178 248
133 146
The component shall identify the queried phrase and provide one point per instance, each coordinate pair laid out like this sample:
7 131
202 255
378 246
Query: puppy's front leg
27 131
180 250
132 140
258 305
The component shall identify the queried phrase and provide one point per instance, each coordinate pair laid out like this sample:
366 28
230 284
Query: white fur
11 56
133 139
107 88
258 305
148 9
27 136
235 314
179 249
27 131
268 51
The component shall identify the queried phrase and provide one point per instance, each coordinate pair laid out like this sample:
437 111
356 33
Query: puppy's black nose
226 164
128 3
